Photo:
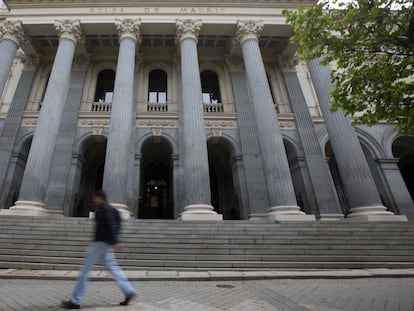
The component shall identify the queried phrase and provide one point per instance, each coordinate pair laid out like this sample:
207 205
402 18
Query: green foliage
371 46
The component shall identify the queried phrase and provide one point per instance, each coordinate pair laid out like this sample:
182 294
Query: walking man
108 225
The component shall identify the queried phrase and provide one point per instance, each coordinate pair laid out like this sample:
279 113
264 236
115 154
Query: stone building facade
192 110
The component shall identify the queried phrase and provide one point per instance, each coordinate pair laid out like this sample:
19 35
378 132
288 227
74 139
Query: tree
371 46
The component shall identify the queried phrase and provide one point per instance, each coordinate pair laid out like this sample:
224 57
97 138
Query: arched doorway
156 174
18 165
296 166
336 177
223 196
93 158
403 149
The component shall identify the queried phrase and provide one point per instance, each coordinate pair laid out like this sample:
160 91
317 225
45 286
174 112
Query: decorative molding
287 125
82 60
221 124
129 28
28 60
287 62
13 31
70 29
156 131
94 123
234 62
29 122
187 28
217 132
247 30
157 123
97 131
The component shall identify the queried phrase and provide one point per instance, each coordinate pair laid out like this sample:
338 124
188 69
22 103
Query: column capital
247 30
13 31
82 60
70 29
287 62
129 28
235 62
187 28
30 61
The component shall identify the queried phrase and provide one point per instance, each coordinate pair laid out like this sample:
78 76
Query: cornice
14 4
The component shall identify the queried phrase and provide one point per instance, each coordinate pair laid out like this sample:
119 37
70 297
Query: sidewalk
315 294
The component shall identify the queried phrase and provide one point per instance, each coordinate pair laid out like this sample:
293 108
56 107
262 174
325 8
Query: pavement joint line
197 275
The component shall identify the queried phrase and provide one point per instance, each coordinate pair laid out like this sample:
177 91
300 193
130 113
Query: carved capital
82 60
187 28
13 31
70 29
235 62
28 60
129 28
247 30
287 62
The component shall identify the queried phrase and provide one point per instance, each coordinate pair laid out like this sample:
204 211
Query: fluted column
327 200
359 186
280 191
115 181
12 123
11 35
197 195
36 175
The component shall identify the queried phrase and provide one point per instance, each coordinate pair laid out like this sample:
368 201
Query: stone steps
59 243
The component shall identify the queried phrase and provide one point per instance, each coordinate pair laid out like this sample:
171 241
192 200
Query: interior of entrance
156 175
403 149
92 174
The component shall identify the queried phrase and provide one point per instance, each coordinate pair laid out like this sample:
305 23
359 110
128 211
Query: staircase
58 243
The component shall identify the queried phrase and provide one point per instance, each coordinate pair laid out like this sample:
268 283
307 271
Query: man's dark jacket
108 224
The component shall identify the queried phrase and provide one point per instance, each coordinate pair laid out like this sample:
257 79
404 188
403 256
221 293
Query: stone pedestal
200 212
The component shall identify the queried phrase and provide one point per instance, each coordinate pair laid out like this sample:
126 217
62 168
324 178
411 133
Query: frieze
221 124
95 123
157 123
287 124
29 122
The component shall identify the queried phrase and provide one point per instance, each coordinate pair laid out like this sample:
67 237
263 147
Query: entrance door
155 202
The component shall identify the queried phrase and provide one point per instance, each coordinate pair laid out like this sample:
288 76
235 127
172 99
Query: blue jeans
104 253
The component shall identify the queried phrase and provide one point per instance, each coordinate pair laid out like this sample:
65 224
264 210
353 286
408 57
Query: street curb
219 275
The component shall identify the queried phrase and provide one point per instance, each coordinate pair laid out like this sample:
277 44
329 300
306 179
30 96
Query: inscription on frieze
153 10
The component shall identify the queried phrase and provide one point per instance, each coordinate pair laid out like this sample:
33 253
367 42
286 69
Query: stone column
197 196
36 175
59 191
359 186
11 35
326 200
280 191
397 187
118 150
12 122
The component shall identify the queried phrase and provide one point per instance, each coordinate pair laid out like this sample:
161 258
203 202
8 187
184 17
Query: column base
331 217
288 213
200 212
26 208
122 209
374 213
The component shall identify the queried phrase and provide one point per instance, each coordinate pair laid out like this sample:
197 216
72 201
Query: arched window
210 87
157 86
105 86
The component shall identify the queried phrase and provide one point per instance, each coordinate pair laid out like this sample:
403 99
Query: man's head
98 197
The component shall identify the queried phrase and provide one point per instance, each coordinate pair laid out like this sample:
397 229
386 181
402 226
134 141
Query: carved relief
158 123
97 131
82 59
93 123
287 61
227 124
129 28
247 30
287 124
28 60
156 131
187 28
69 29
13 31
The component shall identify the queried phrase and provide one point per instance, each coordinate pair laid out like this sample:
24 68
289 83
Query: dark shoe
127 299
68 304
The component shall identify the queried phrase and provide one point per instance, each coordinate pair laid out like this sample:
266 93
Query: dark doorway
223 196
156 189
403 149
93 157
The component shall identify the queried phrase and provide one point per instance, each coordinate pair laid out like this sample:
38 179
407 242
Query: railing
213 107
157 107
97 106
